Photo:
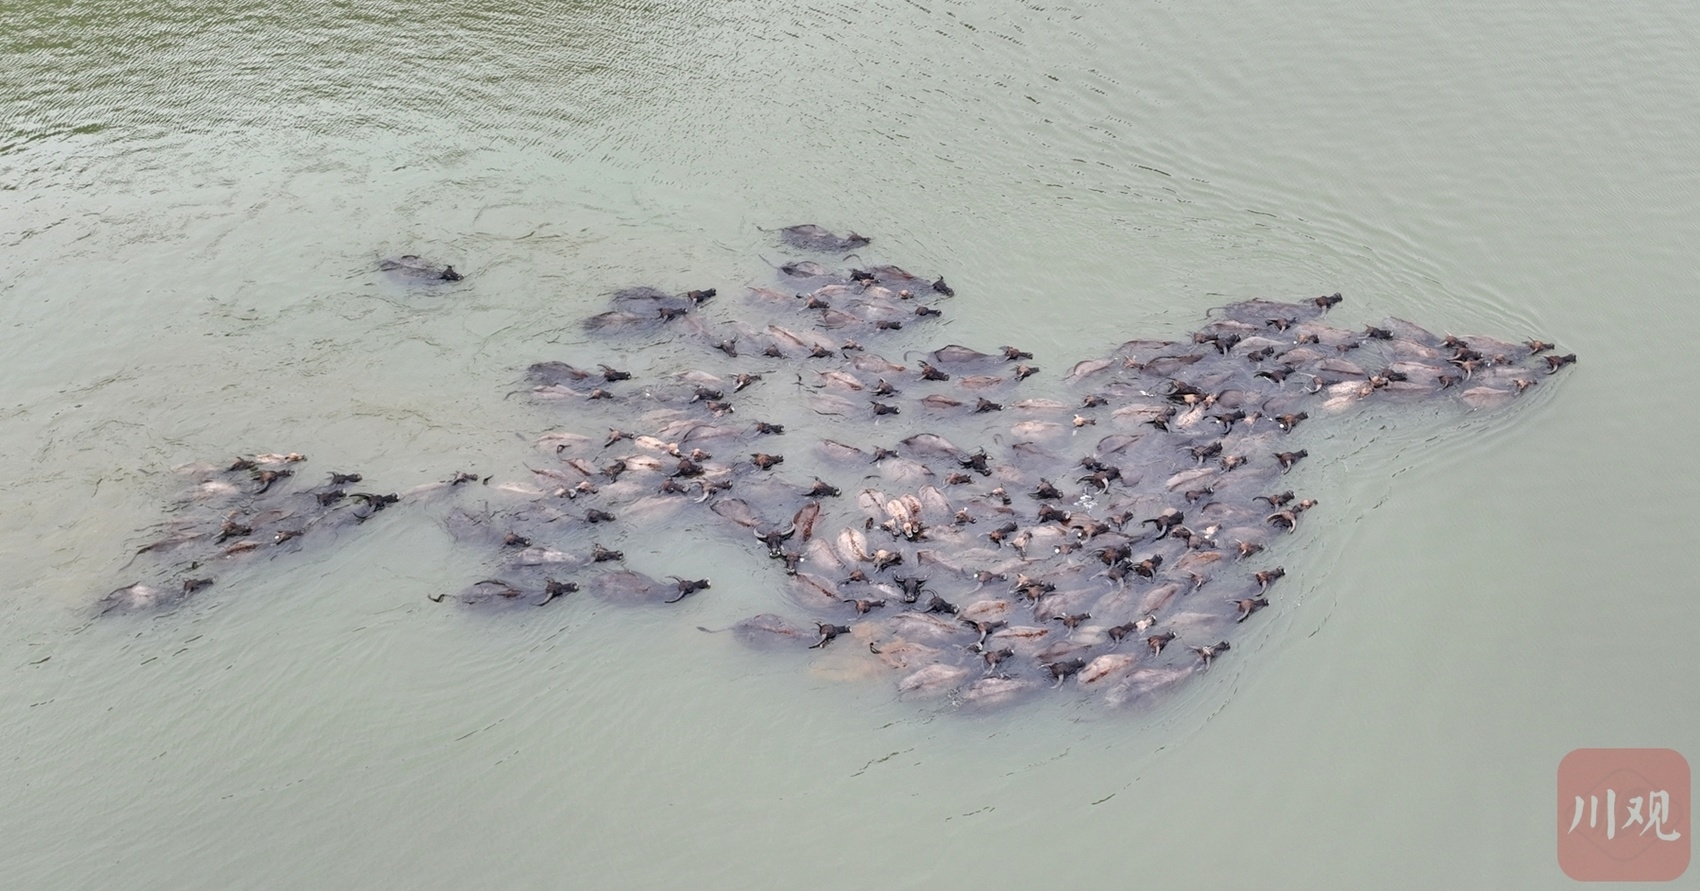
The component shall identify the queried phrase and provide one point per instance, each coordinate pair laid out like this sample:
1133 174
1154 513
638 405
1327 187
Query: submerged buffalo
412 269
810 237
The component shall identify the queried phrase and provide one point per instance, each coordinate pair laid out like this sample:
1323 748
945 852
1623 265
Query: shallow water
192 201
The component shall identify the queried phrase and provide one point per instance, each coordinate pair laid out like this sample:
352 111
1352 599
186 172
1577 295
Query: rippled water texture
193 200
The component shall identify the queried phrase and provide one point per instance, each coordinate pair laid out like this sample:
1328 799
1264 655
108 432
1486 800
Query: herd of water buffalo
973 524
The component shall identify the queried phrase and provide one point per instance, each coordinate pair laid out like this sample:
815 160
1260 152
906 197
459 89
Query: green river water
193 198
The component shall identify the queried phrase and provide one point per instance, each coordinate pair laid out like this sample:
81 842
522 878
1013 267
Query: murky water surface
193 198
